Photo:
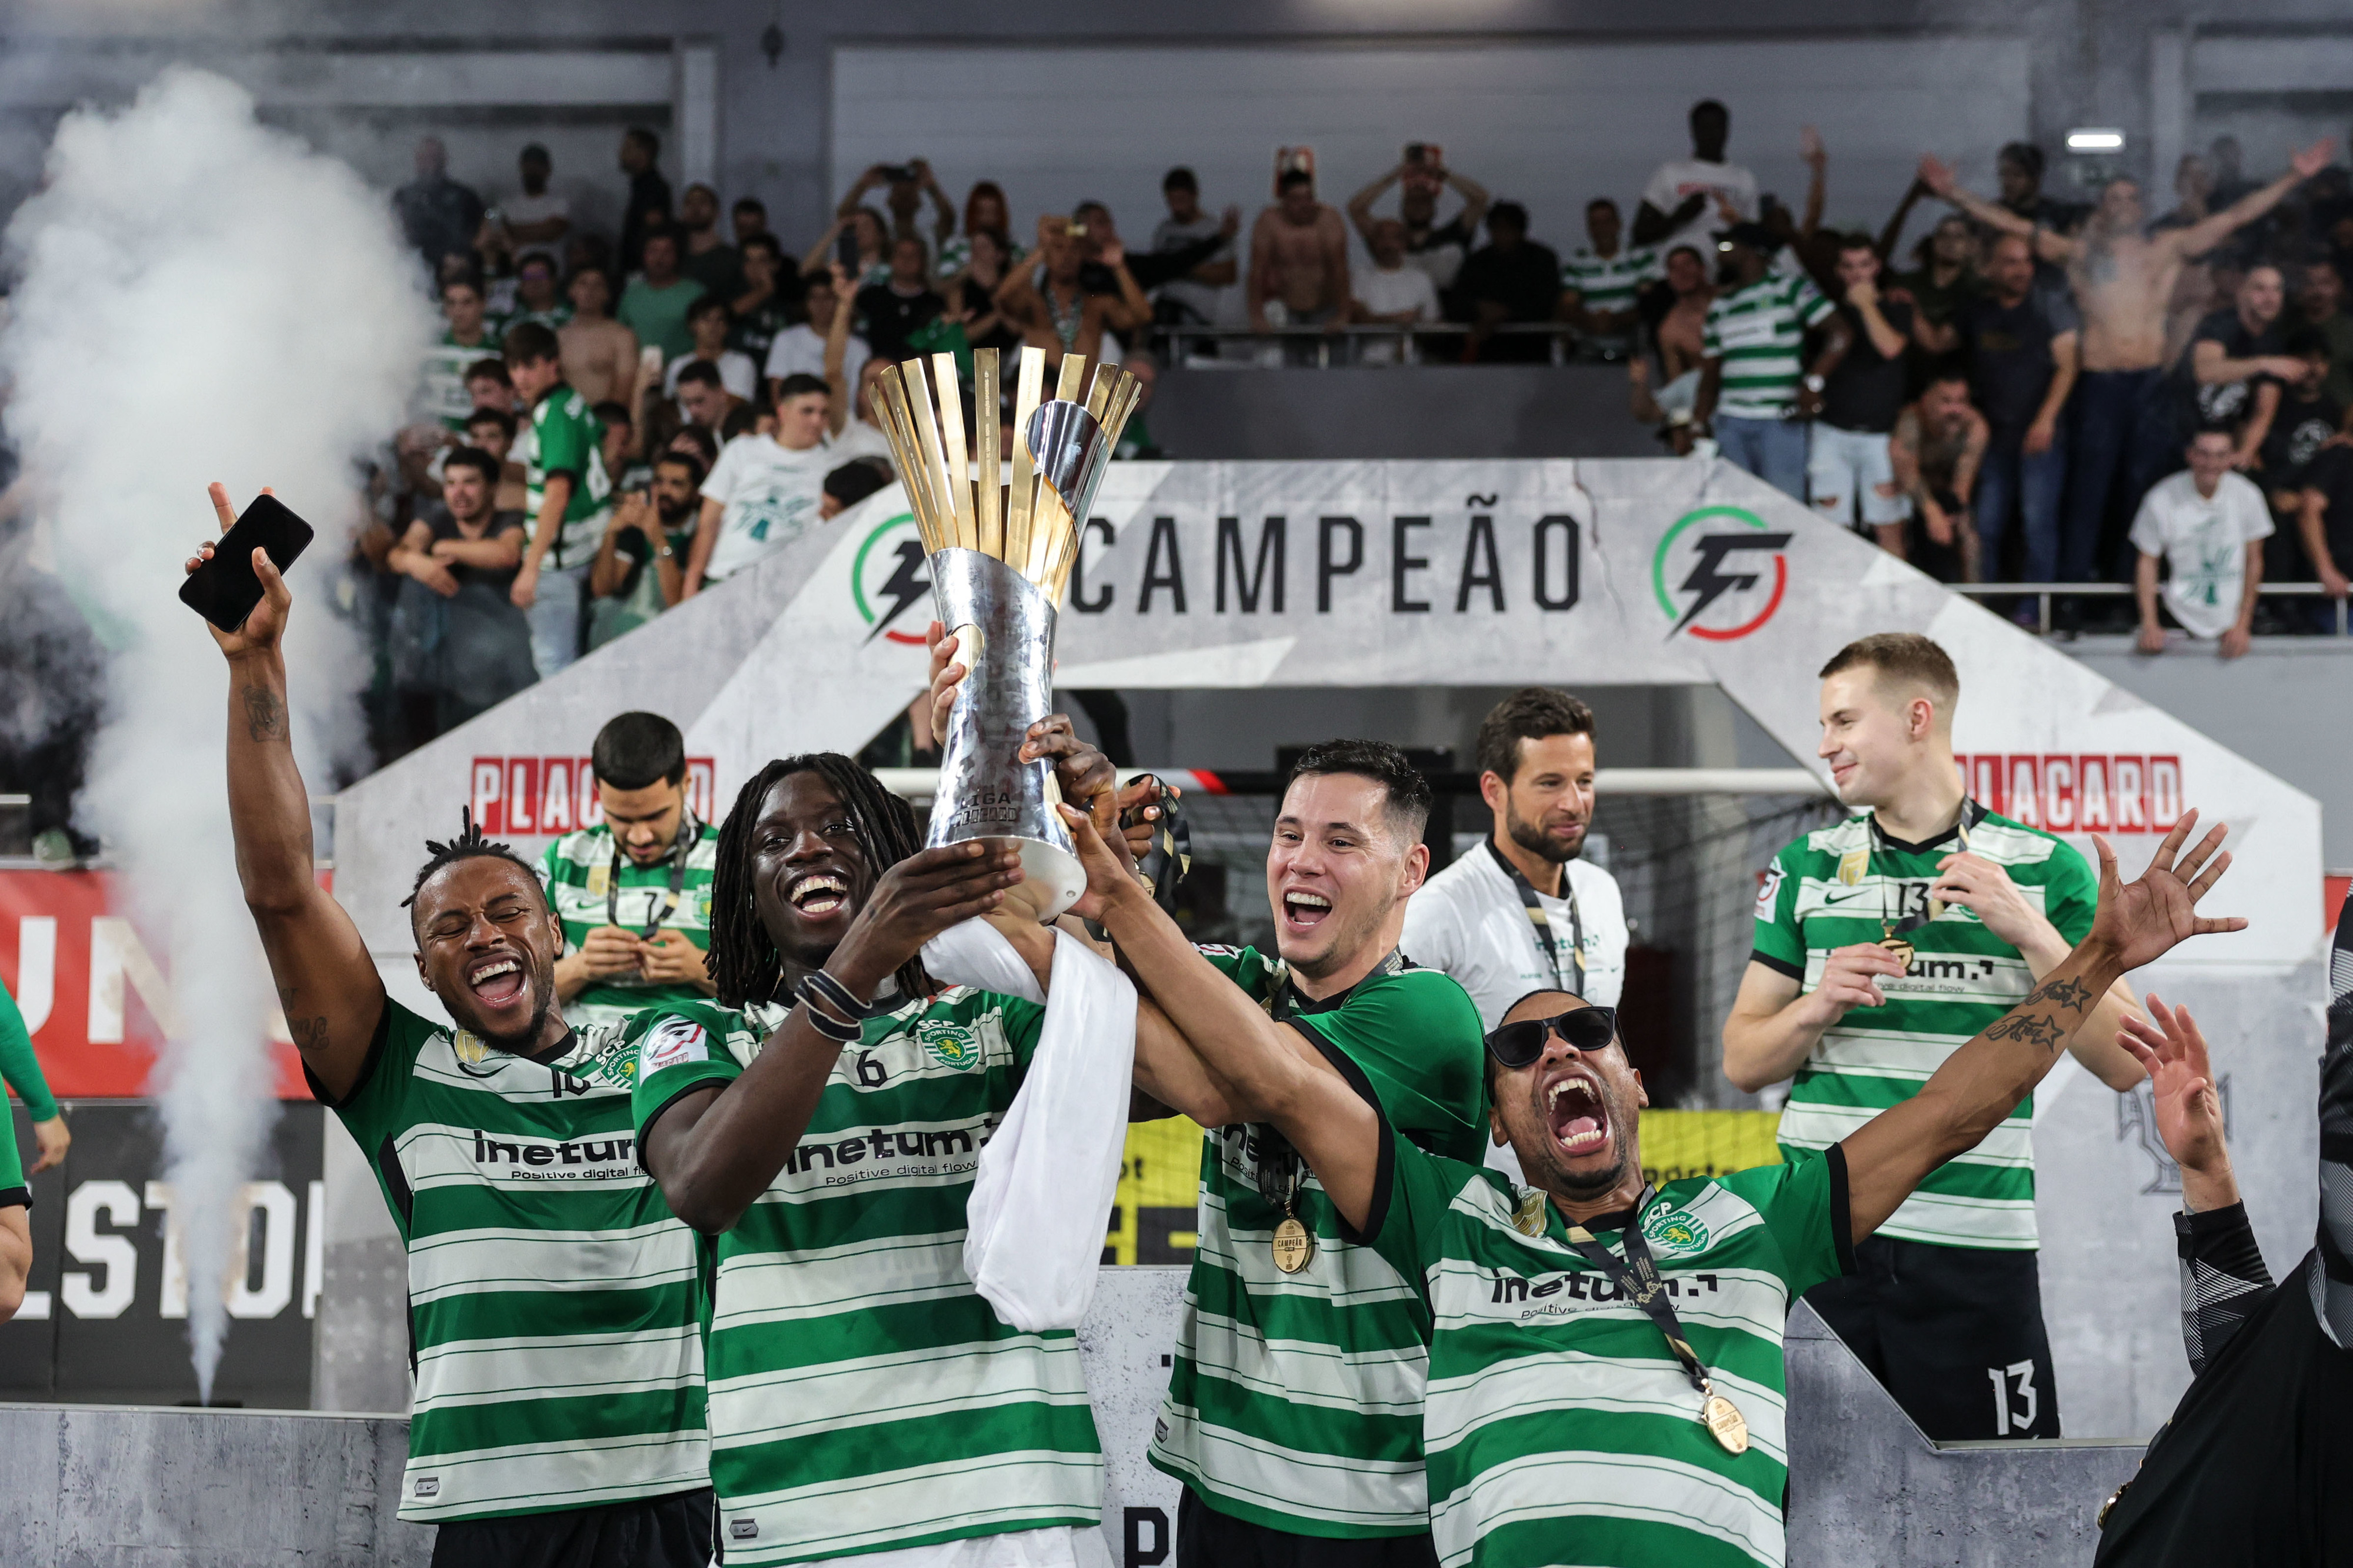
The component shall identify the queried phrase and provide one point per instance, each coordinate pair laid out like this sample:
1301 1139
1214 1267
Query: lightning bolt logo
906 584
1717 569
1708 578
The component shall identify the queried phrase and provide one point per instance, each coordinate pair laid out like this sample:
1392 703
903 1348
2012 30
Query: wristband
824 1022
841 999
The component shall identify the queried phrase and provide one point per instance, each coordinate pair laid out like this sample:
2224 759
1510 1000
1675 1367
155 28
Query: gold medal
1723 1424
1529 1216
1294 1248
1902 949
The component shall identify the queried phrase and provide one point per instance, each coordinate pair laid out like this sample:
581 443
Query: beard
1532 837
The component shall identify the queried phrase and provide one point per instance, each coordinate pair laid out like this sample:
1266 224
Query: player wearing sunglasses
1605 1357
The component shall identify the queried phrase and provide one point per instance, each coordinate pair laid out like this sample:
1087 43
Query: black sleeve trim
15 1197
367 1067
647 1126
1841 1216
1778 965
1385 1171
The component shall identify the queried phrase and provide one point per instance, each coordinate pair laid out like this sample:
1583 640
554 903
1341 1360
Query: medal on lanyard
1281 1172
1538 919
1891 930
1638 1281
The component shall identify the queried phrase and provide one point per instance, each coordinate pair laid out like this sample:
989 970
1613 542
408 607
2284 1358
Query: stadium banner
1378 573
105 1313
93 981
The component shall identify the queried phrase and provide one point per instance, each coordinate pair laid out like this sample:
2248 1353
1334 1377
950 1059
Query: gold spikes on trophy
1059 446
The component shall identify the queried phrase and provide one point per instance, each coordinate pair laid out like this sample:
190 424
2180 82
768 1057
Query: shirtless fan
1000 555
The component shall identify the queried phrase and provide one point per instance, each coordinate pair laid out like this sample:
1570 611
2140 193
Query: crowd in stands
2022 396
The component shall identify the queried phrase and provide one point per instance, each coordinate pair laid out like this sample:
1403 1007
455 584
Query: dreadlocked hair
470 844
745 965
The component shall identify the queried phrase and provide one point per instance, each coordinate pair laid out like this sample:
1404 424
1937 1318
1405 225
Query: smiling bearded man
559 1407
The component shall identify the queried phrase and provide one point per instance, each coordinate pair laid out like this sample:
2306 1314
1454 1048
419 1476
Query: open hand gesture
1936 175
2312 159
267 624
2167 1044
2142 920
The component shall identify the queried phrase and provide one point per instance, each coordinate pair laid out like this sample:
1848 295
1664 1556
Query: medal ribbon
1281 1172
680 849
1543 923
1641 1285
1889 926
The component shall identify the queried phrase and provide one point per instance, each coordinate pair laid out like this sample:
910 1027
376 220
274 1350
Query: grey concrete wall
145 1488
1422 411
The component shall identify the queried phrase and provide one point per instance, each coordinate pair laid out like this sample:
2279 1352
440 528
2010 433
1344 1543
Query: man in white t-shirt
799 348
535 219
2210 524
1679 204
765 491
1478 919
1389 293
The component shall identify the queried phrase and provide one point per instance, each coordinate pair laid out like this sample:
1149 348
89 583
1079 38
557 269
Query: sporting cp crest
1675 1231
951 1046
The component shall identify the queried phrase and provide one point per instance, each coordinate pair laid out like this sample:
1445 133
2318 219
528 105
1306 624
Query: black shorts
1208 1539
1954 1333
671 1532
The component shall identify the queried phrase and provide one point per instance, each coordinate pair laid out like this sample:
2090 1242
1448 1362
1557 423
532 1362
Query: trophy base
1053 874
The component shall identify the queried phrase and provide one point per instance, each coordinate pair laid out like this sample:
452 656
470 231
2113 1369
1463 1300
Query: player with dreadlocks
559 1405
822 1125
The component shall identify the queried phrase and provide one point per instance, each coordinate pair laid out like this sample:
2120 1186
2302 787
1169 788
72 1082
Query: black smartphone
224 590
845 250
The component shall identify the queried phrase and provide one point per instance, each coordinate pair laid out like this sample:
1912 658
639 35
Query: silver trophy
1000 556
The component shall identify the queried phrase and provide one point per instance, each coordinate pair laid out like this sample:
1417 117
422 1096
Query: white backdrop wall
1550 124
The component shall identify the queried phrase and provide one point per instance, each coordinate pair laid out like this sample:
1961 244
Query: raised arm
1360 205
1475 199
1269 1070
22 1070
1817 160
2209 232
327 983
1983 1082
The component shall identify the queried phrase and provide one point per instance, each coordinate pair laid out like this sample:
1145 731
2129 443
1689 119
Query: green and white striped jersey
1559 1426
863 1396
1759 332
1295 1399
551 1295
1609 283
1850 883
577 870
564 437
443 371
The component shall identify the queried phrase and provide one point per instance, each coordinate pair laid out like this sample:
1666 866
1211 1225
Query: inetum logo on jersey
526 796
1730 577
2078 792
887 577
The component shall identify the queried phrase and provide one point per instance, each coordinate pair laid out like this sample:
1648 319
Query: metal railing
2044 593
1405 339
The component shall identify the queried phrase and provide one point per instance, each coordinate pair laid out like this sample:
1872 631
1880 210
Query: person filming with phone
633 892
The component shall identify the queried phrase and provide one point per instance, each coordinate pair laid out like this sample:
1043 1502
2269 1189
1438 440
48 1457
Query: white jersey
1468 920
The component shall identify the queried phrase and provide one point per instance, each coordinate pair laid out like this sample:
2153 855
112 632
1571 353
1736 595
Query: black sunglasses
1514 1046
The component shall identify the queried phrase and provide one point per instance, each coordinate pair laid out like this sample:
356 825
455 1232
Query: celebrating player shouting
1605 1379
558 1414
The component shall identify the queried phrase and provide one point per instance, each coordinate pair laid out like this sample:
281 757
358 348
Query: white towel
1043 1191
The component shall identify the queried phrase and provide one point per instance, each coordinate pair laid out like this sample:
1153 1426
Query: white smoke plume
201 297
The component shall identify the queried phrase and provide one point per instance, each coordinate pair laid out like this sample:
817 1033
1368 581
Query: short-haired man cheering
1606 1379
1884 943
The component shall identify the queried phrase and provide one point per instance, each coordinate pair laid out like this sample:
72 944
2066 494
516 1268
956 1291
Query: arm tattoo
2072 993
310 1034
265 714
2042 1032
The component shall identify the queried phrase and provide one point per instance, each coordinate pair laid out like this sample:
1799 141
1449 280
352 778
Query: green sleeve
1022 1022
564 445
1412 1194
14 1193
1780 943
1811 307
19 1065
1803 1203
679 1046
1247 967
376 1107
1711 341
2071 892
1416 1036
